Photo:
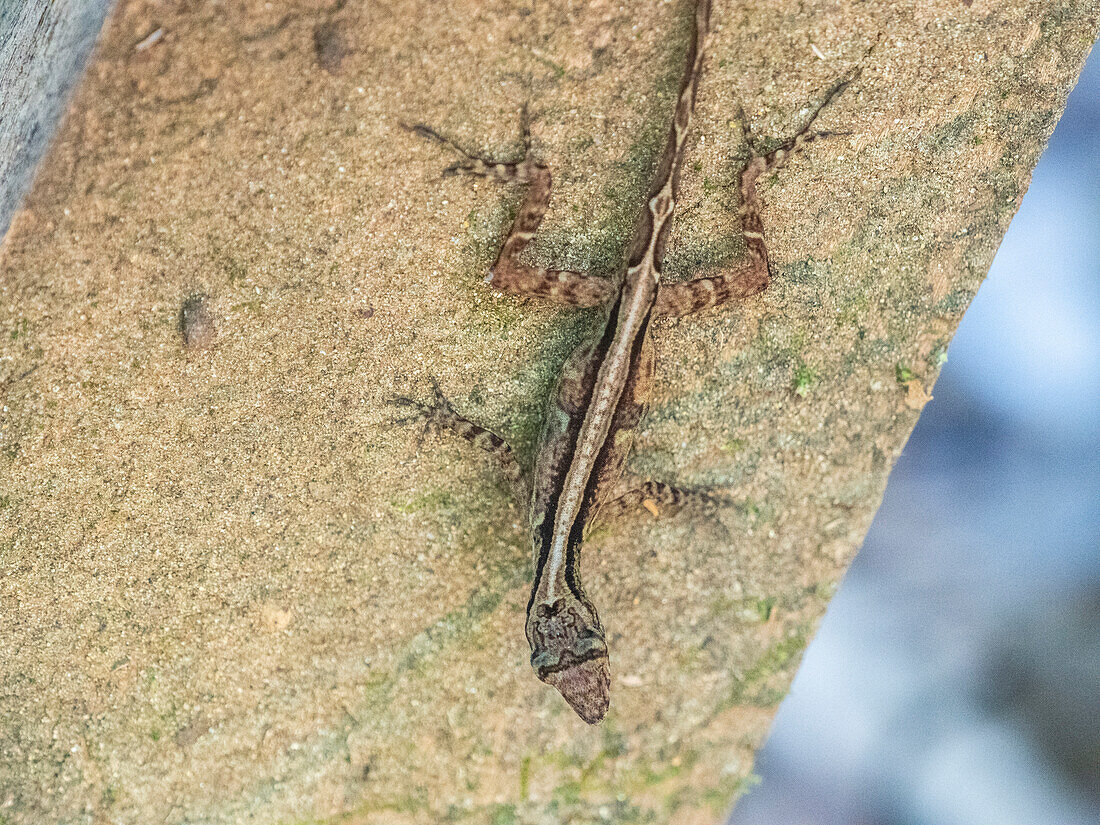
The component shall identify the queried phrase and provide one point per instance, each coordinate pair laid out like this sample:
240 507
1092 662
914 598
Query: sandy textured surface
230 591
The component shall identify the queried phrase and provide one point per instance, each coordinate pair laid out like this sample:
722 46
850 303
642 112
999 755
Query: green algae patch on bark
232 590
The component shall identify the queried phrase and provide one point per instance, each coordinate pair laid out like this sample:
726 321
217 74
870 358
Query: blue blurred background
956 677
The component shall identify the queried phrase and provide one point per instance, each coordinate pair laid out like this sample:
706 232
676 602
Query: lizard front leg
440 415
509 273
753 275
658 498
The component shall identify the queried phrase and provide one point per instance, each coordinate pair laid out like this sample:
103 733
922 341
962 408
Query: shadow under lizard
604 385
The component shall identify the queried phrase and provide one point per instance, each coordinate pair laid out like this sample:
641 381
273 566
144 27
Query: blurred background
956 677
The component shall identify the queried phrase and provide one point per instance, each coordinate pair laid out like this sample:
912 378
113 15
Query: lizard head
569 652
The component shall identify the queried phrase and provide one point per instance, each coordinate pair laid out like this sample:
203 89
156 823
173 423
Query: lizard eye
587 644
543 659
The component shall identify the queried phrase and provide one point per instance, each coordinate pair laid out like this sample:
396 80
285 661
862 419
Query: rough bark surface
43 48
231 591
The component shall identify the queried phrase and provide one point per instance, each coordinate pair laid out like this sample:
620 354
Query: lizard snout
586 686
570 653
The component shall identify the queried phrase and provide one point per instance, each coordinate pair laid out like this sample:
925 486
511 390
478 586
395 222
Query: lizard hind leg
777 157
509 273
521 171
753 276
763 163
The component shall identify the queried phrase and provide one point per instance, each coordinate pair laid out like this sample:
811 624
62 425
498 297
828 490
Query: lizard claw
403 401
431 413
441 402
421 413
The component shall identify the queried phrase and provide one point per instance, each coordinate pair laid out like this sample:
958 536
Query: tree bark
231 589
43 48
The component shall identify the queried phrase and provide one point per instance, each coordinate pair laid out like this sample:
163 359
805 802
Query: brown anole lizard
604 384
